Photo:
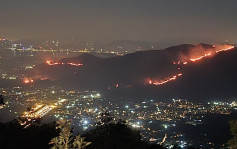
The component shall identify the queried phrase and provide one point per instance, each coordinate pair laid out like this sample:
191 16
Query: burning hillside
195 54
157 67
50 63
199 52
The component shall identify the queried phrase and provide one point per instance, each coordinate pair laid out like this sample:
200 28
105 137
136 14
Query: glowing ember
28 81
223 48
74 64
179 62
43 79
204 53
226 49
207 53
201 57
164 81
150 81
185 63
50 63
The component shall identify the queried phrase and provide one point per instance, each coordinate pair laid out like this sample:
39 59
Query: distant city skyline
183 20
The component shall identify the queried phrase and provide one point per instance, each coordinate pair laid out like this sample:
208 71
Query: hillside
187 71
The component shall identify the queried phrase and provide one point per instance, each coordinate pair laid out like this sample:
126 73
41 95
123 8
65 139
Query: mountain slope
129 75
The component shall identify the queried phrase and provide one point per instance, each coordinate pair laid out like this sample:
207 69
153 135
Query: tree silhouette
105 118
176 147
2 100
13 135
65 140
233 128
117 136
80 143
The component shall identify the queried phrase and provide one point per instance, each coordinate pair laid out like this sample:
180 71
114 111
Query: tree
65 140
80 143
1 100
13 135
233 128
105 118
118 136
176 147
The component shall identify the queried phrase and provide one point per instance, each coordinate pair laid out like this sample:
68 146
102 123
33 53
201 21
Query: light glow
28 80
174 77
194 58
217 49
50 63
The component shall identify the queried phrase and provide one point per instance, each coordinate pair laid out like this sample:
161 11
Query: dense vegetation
233 127
108 134
116 136
13 135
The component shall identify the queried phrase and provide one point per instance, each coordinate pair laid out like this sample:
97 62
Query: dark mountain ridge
126 76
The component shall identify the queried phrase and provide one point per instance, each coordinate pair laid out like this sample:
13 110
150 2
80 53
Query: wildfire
226 49
28 80
180 62
185 63
204 53
151 82
50 63
74 64
201 57
192 58
218 49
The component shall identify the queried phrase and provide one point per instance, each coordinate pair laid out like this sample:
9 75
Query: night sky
148 20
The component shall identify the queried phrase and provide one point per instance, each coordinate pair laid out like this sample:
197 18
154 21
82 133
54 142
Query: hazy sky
149 20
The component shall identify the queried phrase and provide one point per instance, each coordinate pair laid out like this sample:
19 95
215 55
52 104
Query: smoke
200 51
193 55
